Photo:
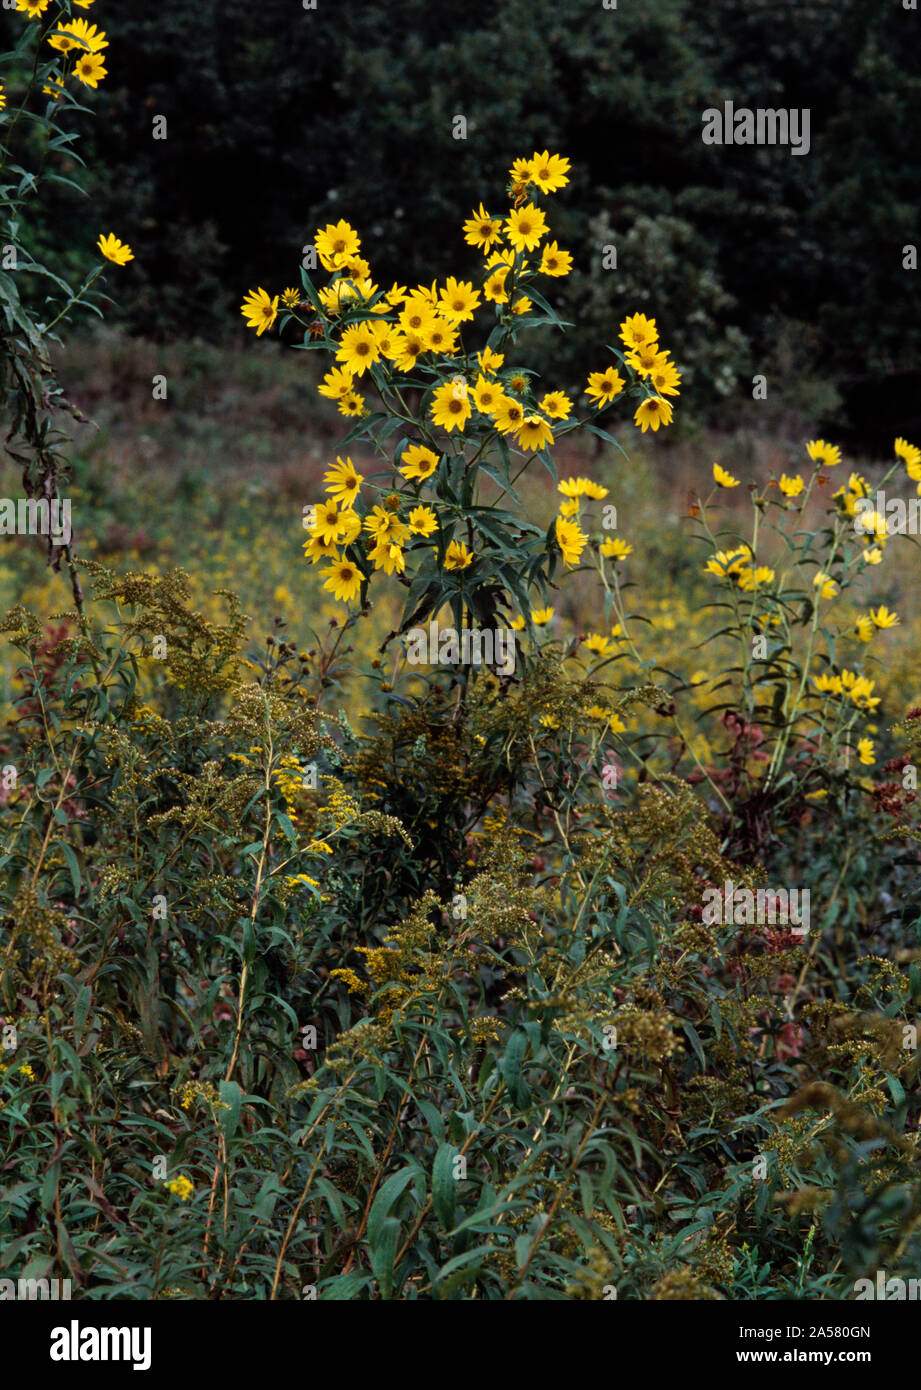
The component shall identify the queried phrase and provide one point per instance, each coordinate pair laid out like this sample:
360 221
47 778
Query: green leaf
388 1194
231 1095
72 865
444 1186
696 1044
50 1183
82 1008
510 1067
287 826
344 1286
383 1251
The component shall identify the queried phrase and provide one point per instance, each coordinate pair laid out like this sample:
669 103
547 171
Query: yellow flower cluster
340 805
299 880
486 1030
413 338
180 1187
77 39
858 689
352 982
652 365
200 1092
81 46
425 323
289 779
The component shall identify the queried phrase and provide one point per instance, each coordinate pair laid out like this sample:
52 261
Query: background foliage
280 119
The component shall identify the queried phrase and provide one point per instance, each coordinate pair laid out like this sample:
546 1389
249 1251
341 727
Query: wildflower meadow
459 802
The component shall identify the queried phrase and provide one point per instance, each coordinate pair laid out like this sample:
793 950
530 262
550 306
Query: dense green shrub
504 1061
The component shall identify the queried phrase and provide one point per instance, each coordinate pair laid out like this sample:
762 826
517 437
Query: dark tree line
280 118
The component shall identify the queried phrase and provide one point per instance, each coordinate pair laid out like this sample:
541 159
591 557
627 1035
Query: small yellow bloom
336 244
637 331
259 309
556 404
553 261
723 478
825 455
871 523
524 227
118 252
343 580
457 556
489 361
508 415
359 348
422 521
440 337
481 230
548 171
90 69
418 462
571 539
450 407
582 487
327 522
865 751
910 455
883 618
343 482
534 433
487 395
336 384
78 35
752 577
458 300
652 413
494 286
728 562
604 386
387 555
616 549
